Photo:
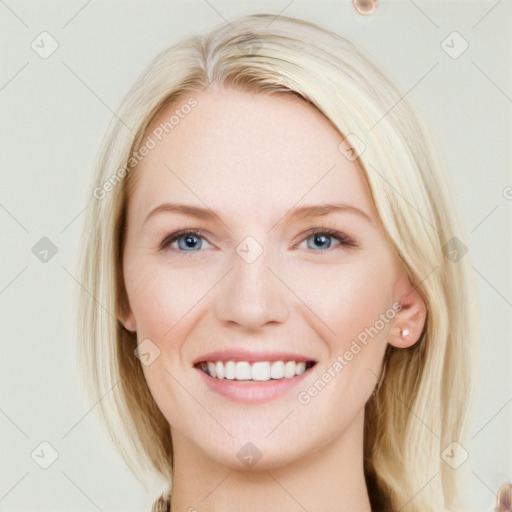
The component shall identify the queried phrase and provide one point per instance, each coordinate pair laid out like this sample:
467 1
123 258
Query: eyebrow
302 212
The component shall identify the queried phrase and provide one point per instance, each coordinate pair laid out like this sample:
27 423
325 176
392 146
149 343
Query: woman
278 310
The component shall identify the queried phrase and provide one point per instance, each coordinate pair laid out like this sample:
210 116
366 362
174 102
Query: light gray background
55 112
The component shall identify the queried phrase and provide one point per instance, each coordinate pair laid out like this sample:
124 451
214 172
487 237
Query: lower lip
251 392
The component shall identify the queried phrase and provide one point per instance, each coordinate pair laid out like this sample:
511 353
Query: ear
409 321
127 320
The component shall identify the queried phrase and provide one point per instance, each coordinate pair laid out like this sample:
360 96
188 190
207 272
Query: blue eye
192 240
188 240
322 238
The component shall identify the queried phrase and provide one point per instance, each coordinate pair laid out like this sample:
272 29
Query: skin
253 158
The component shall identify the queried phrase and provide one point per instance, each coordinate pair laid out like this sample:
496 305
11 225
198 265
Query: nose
251 295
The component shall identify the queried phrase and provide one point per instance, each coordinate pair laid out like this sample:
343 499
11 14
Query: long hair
422 403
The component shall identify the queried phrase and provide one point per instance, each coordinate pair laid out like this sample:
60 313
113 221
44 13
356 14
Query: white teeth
289 370
243 371
258 371
277 370
219 370
301 368
211 369
229 370
261 371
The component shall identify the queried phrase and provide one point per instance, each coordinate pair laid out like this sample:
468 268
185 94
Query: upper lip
251 356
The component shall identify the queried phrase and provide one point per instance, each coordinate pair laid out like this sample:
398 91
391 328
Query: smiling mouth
259 371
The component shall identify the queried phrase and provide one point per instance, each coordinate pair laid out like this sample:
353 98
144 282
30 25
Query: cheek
347 298
160 297
160 300
350 300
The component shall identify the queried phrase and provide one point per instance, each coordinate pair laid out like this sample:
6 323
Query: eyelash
332 233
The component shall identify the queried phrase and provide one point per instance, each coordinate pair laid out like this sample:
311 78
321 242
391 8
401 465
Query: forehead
240 150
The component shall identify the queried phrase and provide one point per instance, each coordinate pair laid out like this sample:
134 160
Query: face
267 283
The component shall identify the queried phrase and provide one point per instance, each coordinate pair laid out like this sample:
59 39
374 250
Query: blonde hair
422 403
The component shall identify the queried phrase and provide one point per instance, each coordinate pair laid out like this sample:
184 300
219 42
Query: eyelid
172 237
342 237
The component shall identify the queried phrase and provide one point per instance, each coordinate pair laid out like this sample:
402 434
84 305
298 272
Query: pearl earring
404 333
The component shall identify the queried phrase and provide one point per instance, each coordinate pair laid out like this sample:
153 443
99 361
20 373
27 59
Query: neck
330 479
